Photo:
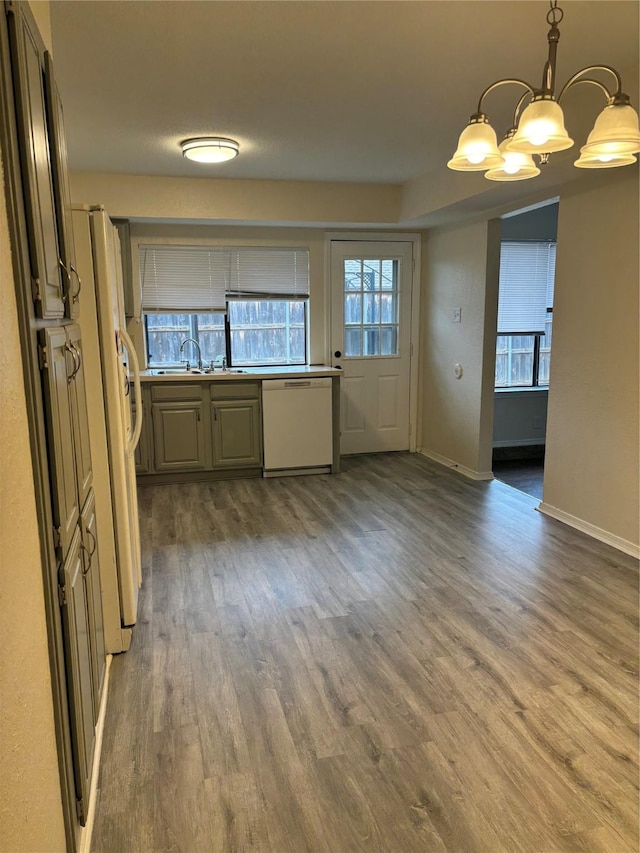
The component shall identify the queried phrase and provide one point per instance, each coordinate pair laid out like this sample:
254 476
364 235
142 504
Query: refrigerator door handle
133 361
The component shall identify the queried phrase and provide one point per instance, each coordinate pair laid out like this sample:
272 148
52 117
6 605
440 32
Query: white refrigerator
112 375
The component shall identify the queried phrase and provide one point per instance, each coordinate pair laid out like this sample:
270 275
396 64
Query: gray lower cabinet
236 433
200 428
77 642
178 436
91 569
144 451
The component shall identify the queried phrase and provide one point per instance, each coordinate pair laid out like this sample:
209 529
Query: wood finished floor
391 659
522 474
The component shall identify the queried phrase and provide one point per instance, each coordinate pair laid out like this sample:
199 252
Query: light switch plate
456 315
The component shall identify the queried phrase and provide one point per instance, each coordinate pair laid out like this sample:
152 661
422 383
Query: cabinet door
178 436
124 232
75 620
58 367
91 569
237 435
79 417
61 191
27 59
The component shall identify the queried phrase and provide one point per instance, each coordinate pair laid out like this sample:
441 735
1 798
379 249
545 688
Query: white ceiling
367 91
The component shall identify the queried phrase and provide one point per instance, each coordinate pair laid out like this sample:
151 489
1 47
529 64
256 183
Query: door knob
338 354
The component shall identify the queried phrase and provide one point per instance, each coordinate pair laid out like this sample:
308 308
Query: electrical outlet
456 315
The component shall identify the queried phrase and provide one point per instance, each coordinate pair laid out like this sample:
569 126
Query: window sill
539 389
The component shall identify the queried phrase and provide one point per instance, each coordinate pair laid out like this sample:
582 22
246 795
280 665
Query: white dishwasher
297 426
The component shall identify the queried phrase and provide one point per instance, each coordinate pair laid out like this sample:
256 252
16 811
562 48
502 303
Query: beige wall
592 434
519 418
459 270
247 202
30 804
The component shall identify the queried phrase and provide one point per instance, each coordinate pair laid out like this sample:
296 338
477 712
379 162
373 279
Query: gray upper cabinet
80 422
124 233
75 619
27 60
62 192
58 367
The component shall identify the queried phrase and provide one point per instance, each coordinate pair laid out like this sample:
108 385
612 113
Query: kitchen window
525 314
252 304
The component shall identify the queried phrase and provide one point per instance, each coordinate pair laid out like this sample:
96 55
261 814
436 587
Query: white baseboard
84 844
591 530
455 466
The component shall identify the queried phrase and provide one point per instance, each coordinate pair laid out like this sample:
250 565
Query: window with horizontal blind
266 273
183 278
263 292
527 272
525 313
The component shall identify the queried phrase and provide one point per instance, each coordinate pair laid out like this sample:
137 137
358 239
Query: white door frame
375 237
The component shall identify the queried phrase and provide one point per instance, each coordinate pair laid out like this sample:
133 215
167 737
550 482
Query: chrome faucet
196 344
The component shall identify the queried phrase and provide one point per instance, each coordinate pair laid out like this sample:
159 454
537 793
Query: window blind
184 279
527 272
269 273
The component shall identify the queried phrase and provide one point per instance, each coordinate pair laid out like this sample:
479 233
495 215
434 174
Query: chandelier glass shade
515 165
539 129
477 147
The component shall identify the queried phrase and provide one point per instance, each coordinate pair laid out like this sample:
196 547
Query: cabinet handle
198 413
76 295
79 361
67 271
85 571
95 542
215 414
75 355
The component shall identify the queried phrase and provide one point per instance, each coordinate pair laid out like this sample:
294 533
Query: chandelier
539 129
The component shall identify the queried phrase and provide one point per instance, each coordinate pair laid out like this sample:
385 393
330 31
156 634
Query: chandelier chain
555 13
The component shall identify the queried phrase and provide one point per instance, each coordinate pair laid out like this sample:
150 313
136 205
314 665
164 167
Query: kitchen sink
182 371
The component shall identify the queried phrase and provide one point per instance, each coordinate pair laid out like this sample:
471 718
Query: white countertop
317 370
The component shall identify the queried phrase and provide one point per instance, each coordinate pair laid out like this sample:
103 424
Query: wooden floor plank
390 659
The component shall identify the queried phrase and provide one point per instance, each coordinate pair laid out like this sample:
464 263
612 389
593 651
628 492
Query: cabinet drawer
190 391
225 390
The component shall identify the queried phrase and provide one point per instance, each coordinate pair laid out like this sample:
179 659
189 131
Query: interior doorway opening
523 346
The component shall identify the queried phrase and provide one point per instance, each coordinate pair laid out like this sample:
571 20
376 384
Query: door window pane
371 308
352 308
371 341
372 304
352 339
389 340
389 303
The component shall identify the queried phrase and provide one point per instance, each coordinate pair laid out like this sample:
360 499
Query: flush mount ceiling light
539 130
210 149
